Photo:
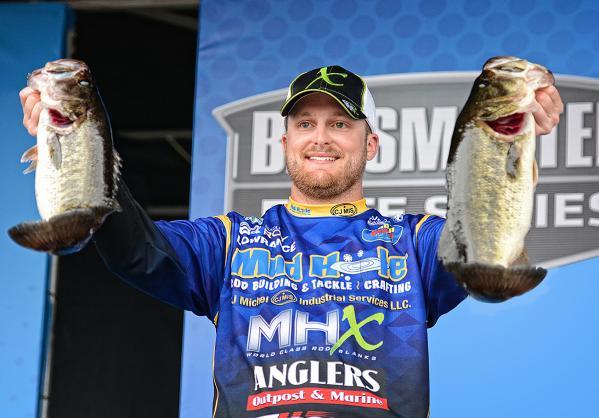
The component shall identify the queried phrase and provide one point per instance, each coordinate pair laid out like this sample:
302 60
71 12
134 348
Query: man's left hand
550 107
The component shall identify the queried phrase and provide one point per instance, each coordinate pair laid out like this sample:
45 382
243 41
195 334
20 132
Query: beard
322 185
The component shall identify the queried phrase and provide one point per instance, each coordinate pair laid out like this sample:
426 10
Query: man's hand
32 107
550 107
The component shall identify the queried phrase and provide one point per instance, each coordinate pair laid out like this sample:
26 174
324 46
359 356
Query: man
322 305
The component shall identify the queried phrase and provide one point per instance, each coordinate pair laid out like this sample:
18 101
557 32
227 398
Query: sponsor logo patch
246 229
344 209
253 220
283 297
359 266
294 328
375 221
299 210
271 237
385 232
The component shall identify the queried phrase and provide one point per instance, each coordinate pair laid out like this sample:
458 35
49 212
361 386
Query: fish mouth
59 120
509 125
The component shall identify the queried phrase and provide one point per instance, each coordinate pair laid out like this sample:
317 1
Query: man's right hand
32 107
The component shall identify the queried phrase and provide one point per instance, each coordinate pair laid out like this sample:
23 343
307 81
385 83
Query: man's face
325 149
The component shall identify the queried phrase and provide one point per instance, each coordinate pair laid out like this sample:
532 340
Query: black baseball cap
347 88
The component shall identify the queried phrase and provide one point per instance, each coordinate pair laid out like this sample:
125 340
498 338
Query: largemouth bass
491 176
75 163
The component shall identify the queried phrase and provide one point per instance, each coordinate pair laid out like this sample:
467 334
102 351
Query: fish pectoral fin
29 155
54 150
31 167
535 173
513 160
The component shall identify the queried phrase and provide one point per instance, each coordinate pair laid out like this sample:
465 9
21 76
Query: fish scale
79 182
504 204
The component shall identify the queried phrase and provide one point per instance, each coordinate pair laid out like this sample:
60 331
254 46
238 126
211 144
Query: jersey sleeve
180 263
442 292
201 246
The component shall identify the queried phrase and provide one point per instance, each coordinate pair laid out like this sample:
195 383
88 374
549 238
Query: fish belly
77 180
490 210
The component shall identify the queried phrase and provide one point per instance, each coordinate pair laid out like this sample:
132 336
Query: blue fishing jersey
320 310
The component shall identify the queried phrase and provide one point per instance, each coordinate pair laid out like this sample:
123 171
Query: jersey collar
338 209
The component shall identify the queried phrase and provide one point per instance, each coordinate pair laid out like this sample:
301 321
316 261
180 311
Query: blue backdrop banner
530 356
30 35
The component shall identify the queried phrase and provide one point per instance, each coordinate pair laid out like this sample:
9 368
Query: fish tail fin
62 234
496 283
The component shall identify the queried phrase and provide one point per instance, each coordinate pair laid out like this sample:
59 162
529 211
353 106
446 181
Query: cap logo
324 75
350 106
